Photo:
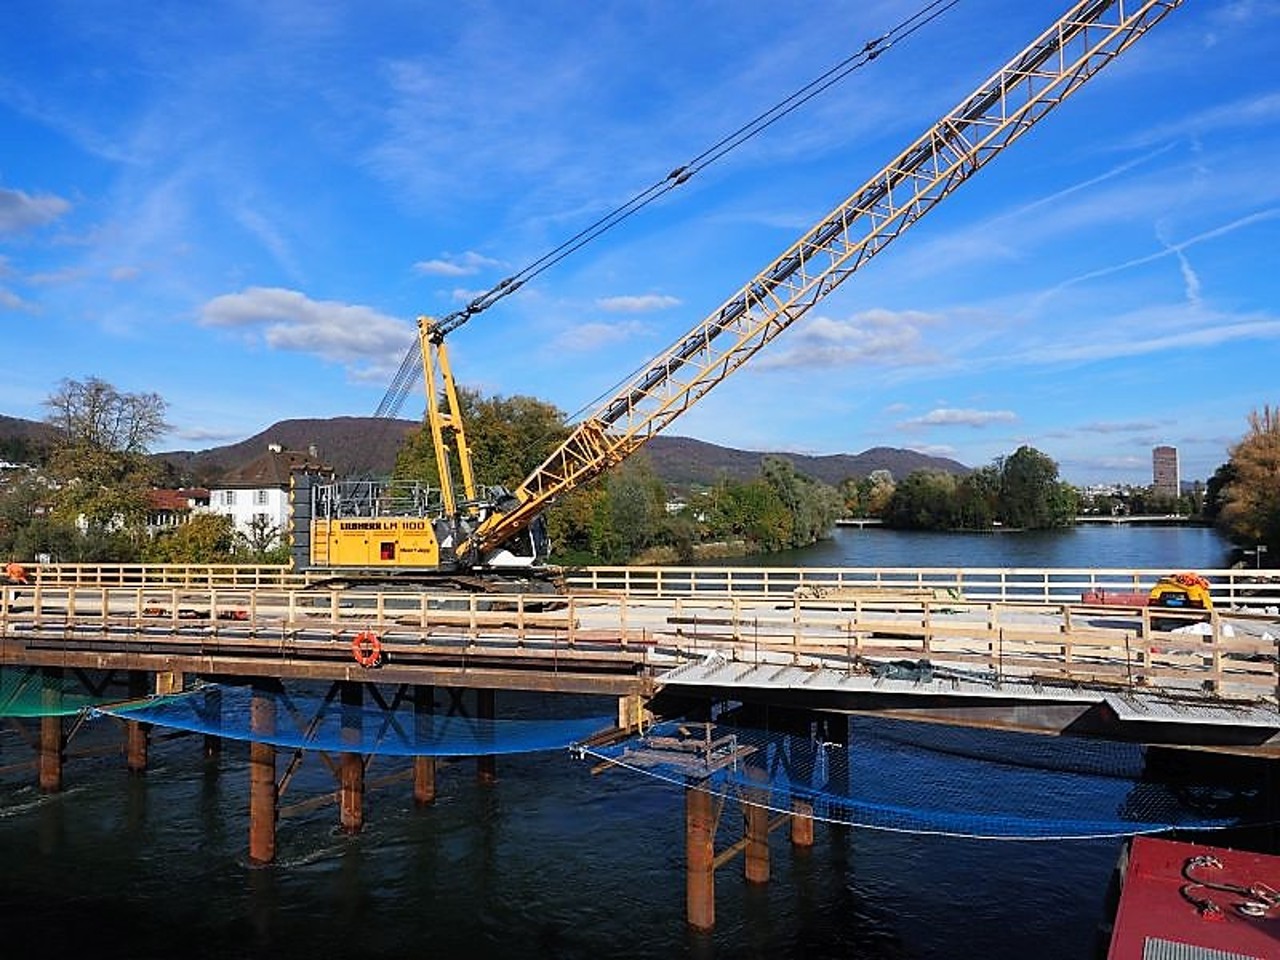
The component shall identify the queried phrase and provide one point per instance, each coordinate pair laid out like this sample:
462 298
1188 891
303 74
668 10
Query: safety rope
407 375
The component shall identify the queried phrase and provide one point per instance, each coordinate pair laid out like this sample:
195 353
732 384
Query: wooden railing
1231 589
1256 590
215 575
1229 654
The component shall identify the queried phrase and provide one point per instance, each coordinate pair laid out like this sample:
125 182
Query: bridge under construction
691 658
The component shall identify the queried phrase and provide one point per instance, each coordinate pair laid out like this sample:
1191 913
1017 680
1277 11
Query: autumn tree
874 492
204 538
508 438
99 461
1250 499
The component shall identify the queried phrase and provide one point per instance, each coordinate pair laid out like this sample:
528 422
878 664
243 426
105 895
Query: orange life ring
367 649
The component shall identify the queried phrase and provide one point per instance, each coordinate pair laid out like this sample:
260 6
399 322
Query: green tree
753 512
205 538
508 436
261 542
1215 493
99 463
977 498
1250 513
1031 496
576 526
814 506
636 503
924 500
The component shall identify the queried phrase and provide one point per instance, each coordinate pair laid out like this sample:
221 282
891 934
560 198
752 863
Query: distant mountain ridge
367 446
353 446
683 461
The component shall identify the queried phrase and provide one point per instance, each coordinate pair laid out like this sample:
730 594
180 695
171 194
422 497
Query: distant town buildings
1164 471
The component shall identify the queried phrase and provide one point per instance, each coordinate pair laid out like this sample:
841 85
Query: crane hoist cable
406 377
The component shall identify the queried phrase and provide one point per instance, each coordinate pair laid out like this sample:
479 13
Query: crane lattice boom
1084 40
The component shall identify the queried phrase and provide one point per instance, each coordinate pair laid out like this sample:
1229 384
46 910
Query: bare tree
93 413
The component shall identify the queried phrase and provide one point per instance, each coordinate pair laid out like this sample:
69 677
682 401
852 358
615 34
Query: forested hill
682 461
366 446
353 446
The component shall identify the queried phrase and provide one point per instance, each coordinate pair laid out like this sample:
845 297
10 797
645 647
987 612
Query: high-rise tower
1164 471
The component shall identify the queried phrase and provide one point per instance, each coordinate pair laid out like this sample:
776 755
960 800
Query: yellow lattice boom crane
494 529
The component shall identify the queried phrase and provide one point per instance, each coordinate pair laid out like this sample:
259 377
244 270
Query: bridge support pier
137 733
700 818
351 765
487 764
755 828
52 738
801 824
262 780
424 768
212 743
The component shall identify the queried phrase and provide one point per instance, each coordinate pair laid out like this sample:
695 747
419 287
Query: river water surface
550 861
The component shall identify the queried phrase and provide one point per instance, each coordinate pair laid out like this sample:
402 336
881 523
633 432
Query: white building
258 493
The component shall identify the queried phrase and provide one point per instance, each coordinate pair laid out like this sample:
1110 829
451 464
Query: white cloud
953 417
883 336
456 265
20 211
57 277
205 435
11 301
637 304
121 274
587 337
369 343
935 449
1135 426
1170 249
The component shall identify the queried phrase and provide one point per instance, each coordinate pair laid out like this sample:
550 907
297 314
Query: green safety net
32 692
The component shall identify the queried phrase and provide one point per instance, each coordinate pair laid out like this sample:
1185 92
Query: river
550 861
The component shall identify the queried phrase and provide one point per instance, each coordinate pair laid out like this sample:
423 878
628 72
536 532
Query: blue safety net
922 778
318 720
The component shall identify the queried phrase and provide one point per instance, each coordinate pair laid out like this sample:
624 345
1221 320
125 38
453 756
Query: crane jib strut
1073 49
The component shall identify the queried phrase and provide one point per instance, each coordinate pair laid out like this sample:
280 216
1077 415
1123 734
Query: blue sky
243 206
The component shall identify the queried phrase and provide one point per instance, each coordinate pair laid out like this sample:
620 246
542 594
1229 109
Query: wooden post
136 732
51 736
700 857
424 767
801 823
351 768
486 764
755 826
631 712
213 710
262 779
